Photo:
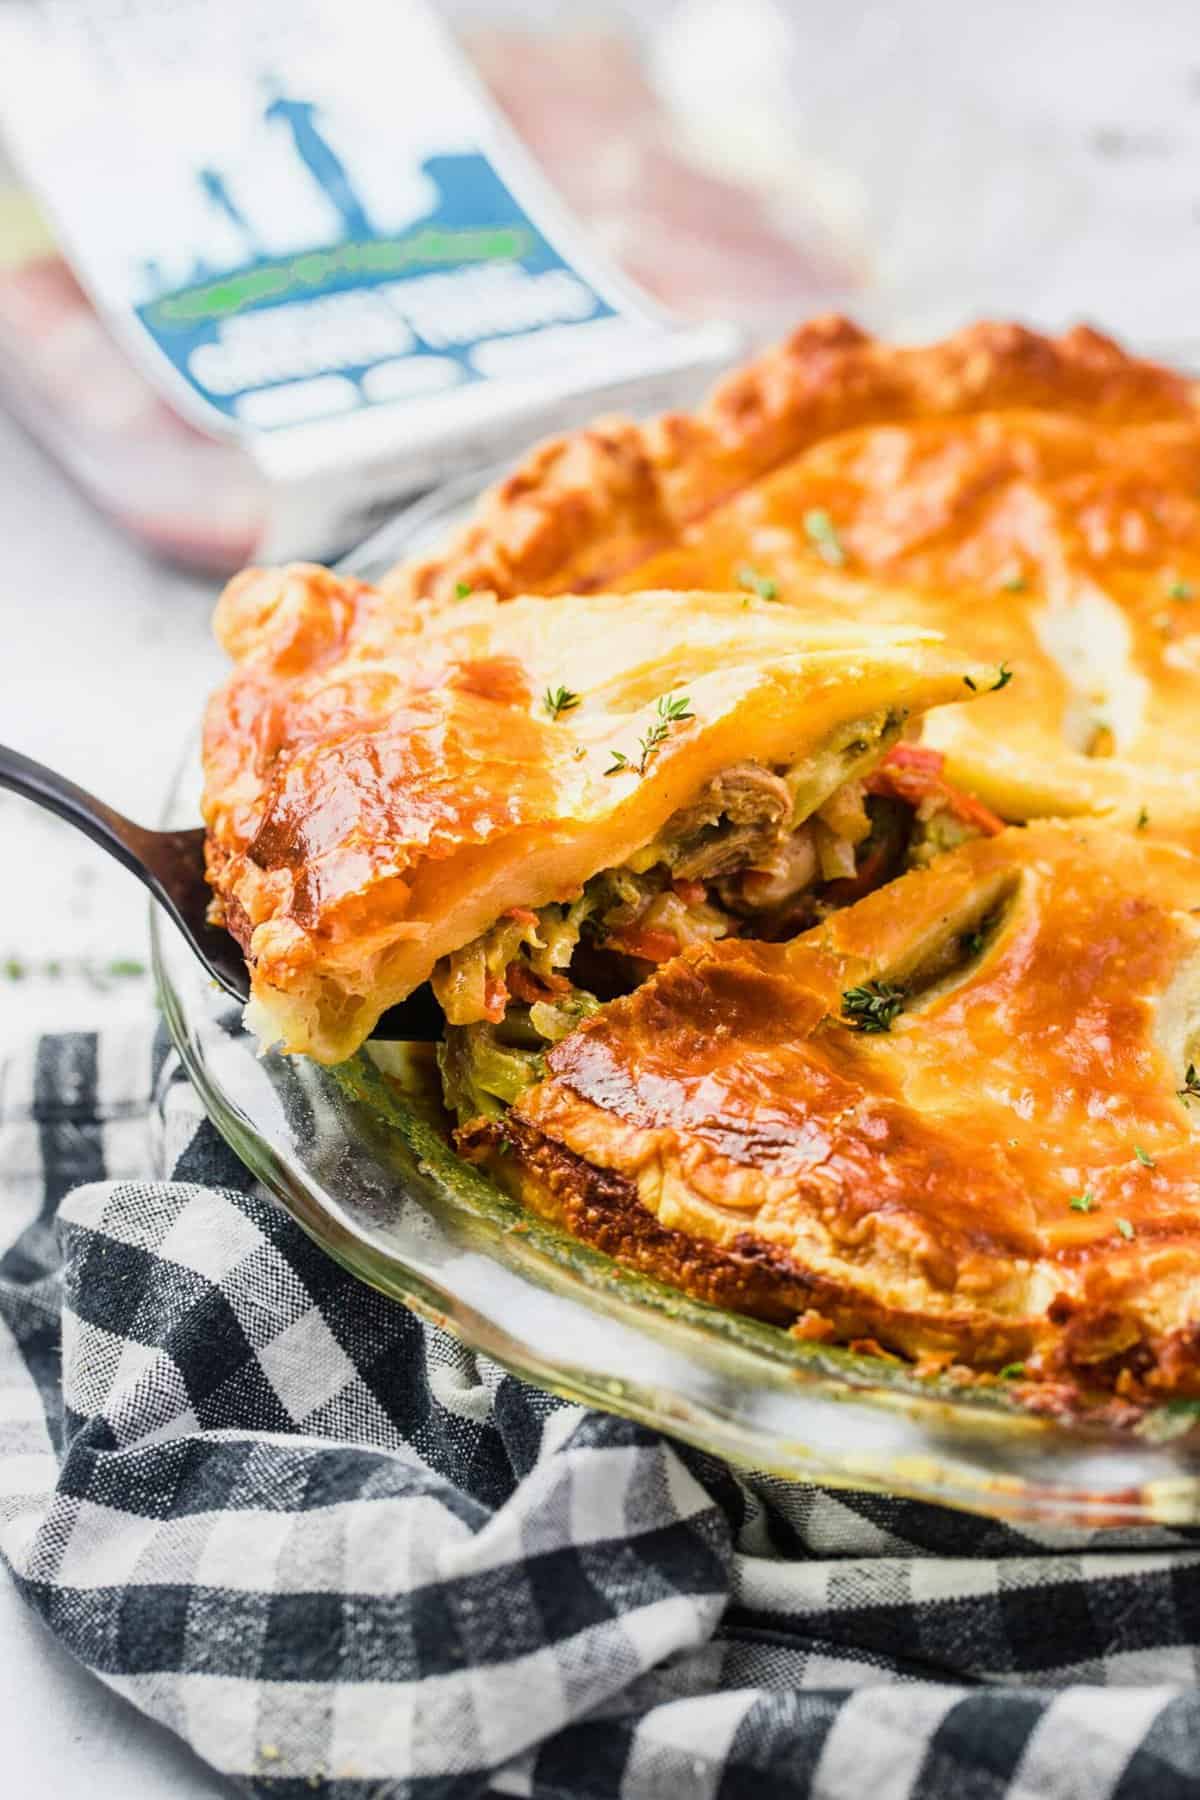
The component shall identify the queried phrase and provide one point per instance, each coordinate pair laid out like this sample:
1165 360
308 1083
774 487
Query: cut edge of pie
484 797
956 1120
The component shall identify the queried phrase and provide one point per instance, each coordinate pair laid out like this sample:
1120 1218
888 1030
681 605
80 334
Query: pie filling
750 856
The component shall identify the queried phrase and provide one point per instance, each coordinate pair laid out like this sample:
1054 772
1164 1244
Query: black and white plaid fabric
340 1554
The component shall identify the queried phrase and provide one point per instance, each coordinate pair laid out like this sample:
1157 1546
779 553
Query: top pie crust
1036 500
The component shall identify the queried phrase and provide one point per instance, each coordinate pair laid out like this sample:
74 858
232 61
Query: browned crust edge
585 508
749 1276
602 1208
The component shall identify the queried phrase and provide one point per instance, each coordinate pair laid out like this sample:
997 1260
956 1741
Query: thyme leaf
872 1006
559 700
822 534
765 586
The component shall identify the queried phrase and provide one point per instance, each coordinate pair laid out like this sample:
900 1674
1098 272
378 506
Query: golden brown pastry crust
585 509
380 789
1036 500
724 1128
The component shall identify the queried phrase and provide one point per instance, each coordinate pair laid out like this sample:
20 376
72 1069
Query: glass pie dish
359 1156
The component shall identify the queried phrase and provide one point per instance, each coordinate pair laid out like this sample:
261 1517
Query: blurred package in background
300 268
196 499
671 132
749 161
916 165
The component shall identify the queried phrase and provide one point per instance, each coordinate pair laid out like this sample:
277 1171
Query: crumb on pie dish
793 808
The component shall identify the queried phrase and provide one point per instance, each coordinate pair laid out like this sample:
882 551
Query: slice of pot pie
532 805
960 1119
1036 500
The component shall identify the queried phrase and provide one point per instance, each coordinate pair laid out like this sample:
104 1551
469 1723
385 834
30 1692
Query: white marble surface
107 661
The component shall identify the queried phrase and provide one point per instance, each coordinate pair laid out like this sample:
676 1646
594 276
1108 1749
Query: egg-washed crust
589 507
1036 500
379 790
727 1128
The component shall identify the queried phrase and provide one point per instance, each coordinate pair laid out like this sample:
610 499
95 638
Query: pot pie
532 805
654 776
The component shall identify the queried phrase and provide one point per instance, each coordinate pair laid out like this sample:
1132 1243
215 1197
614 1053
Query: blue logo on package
467 289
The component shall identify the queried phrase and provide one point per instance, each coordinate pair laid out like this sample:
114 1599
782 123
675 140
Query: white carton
307 223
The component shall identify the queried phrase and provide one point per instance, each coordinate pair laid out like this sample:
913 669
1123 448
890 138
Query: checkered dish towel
339 1553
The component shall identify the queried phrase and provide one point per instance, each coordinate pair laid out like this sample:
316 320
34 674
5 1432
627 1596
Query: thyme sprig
672 710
